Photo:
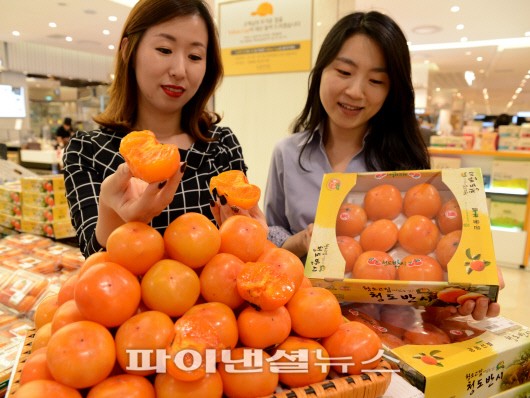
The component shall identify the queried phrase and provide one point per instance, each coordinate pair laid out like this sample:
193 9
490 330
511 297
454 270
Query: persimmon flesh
234 186
148 159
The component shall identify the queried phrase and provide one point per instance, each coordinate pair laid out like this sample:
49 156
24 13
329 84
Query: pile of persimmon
390 235
203 297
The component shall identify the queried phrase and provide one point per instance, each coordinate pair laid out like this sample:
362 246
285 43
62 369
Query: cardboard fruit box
447 355
495 362
471 270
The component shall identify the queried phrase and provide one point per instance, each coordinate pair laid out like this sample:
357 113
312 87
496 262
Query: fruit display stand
31 267
194 320
366 385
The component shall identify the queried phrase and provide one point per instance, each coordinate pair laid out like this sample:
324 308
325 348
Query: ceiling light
455 9
52 25
111 47
469 76
15 33
517 42
460 26
127 3
68 38
106 32
426 29
480 59
113 18
463 39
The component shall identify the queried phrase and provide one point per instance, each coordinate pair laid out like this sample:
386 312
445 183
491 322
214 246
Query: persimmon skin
423 199
351 220
147 158
383 201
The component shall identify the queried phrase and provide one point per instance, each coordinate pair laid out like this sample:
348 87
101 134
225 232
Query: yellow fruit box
44 199
10 192
43 214
10 221
56 229
43 184
492 363
472 267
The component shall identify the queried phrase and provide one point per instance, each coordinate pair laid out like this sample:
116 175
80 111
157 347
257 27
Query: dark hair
121 111
67 121
502 120
394 141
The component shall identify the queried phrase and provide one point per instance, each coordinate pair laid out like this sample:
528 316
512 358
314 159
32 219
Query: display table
46 159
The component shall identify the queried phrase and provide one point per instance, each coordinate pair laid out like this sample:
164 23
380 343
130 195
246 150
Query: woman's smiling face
170 64
354 85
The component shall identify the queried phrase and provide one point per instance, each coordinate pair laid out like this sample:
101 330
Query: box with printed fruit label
446 355
408 237
44 199
43 184
57 229
46 214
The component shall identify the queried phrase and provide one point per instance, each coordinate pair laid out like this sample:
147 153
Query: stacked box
27 242
22 290
493 362
448 141
11 205
472 267
444 355
31 262
45 210
508 137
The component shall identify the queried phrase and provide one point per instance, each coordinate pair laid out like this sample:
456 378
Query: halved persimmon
234 186
148 159
265 286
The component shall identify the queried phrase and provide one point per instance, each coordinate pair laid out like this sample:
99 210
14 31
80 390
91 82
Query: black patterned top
92 156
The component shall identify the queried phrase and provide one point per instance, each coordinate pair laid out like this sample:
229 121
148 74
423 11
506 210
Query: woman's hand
479 309
299 242
221 211
124 198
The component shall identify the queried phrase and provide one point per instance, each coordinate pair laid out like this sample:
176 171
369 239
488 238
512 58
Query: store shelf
512 245
496 154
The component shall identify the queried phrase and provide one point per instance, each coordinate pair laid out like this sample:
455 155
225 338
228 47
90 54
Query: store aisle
514 297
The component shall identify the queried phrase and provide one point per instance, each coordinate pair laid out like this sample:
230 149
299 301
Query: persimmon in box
431 345
408 237
31 262
27 242
22 290
495 361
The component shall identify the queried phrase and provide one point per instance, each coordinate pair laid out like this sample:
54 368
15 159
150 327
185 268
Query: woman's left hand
221 210
480 308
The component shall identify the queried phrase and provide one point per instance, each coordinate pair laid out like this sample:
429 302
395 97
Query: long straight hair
394 141
122 110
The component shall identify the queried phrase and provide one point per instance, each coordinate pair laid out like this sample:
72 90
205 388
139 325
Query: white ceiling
500 72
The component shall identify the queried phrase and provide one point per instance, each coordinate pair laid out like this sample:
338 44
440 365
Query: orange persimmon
234 186
148 159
